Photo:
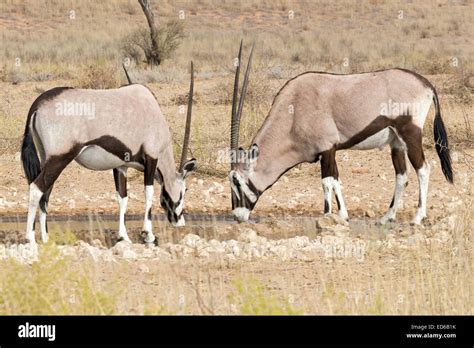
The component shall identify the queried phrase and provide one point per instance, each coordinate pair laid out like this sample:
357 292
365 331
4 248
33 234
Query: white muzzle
180 222
241 214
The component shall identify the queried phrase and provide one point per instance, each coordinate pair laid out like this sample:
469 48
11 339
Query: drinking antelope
316 114
112 129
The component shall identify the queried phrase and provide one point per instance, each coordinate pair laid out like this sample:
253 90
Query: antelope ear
189 167
158 177
240 155
253 153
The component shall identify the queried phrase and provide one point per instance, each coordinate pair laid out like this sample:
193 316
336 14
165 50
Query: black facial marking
170 206
244 201
253 188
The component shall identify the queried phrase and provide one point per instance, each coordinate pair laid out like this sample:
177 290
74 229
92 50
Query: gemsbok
111 129
316 114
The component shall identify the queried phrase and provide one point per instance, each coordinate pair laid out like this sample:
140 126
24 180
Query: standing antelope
316 114
102 130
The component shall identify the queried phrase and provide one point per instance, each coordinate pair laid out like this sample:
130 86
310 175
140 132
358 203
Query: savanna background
293 260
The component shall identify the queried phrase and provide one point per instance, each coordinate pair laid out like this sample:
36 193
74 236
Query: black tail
29 156
441 142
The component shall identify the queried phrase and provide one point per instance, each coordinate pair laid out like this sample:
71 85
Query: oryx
110 129
316 114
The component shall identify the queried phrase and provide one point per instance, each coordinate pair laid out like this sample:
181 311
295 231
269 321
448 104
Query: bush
137 45
101 75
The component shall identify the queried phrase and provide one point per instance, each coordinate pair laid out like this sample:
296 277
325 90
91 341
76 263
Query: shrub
99 76
137 45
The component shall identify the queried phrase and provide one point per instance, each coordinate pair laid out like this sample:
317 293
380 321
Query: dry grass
86 52
319 37
98 76
433 278
41 43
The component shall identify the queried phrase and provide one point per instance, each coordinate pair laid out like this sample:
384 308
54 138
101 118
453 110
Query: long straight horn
242 94
126 73
187 131
234 131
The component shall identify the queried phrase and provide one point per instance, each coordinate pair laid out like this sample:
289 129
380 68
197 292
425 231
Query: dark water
104 227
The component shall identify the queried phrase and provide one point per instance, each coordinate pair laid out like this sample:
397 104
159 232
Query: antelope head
172 198
244 193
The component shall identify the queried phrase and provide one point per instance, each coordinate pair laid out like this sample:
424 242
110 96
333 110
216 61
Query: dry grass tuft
99 76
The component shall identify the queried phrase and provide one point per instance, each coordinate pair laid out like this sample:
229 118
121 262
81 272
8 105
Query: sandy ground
317 264
293 256
367 192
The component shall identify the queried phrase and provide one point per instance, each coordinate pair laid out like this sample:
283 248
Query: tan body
329 110
102 130
316 114
118 111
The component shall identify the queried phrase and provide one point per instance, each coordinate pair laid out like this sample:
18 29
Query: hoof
386 219
344 217
148 237
154 243
416 222
124 239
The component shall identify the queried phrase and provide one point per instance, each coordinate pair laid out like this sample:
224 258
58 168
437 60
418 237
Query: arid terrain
290 259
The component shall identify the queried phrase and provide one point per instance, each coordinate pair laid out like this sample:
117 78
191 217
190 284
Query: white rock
248 236
297 242
280 250
183 250
216 247
129 254
88 250
120 247
236 250
162 254
190 240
